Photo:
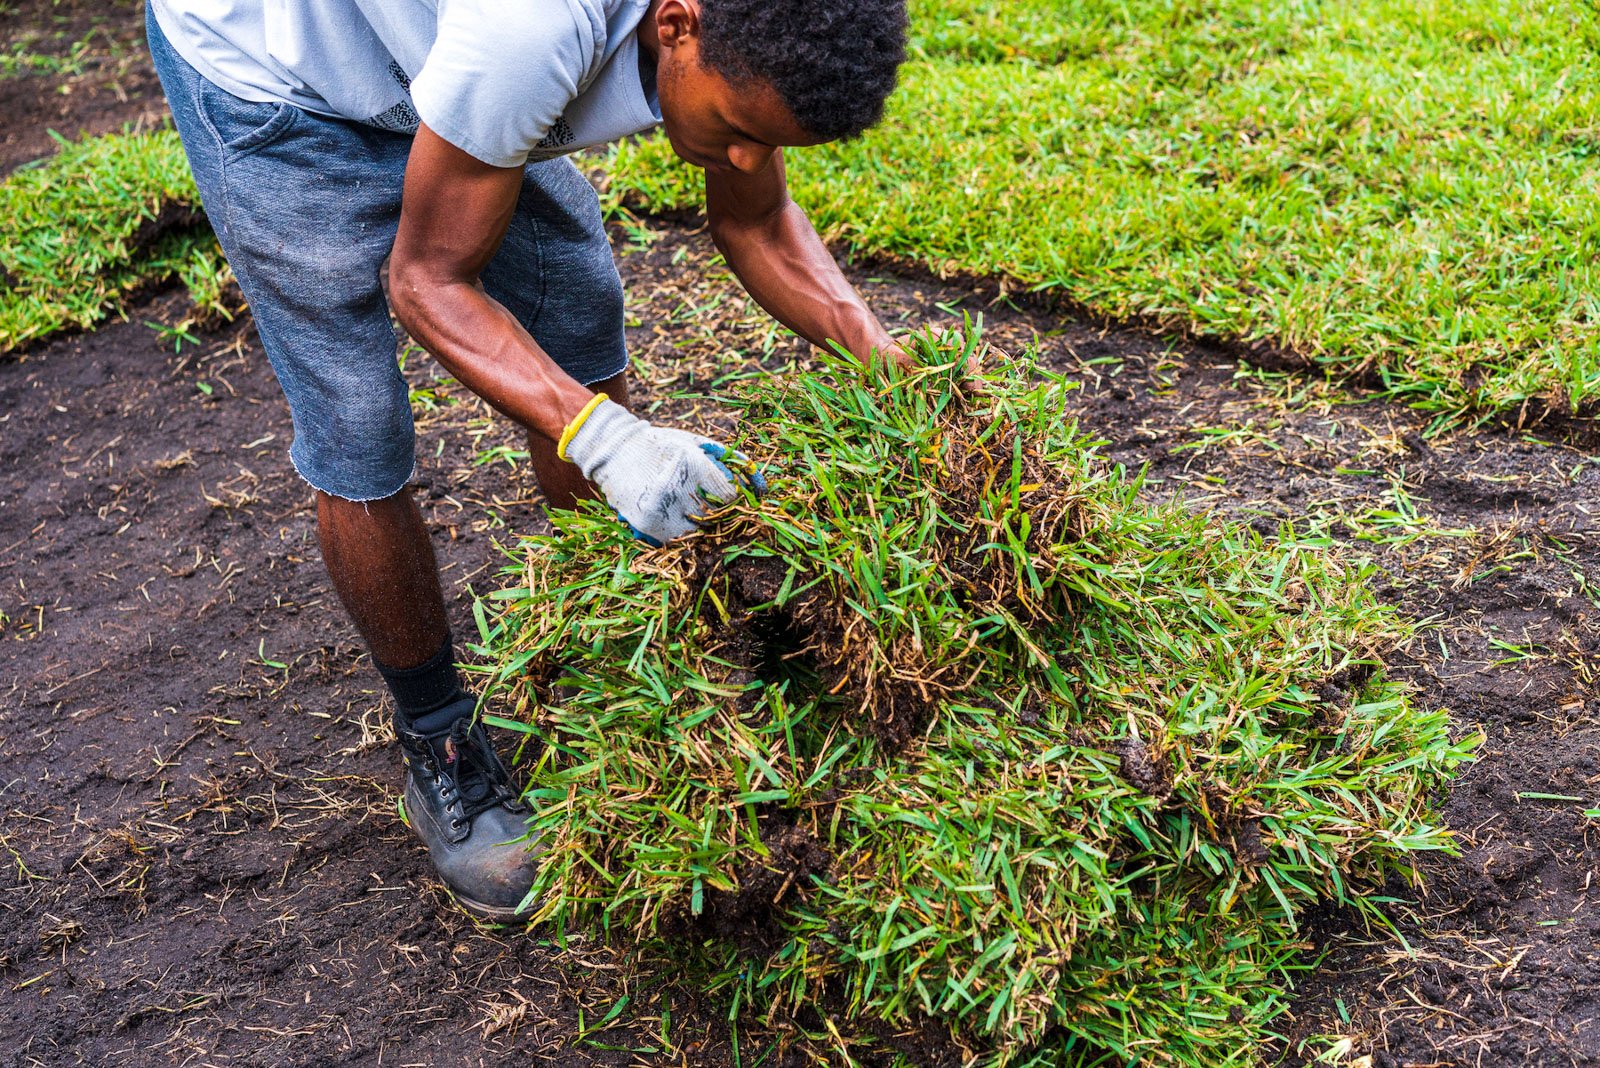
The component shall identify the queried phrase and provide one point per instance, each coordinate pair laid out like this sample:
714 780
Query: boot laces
468 761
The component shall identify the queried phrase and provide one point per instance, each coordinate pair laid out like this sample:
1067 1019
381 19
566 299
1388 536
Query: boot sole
478 910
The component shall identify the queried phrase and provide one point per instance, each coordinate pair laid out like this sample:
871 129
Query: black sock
429 697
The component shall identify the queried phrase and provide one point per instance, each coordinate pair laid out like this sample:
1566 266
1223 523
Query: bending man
327 136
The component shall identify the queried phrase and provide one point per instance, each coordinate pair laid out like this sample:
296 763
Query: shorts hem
313 483
621 367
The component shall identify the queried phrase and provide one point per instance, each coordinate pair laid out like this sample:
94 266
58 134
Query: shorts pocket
246 125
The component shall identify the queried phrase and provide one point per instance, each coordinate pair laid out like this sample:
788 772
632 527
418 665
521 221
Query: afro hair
832 63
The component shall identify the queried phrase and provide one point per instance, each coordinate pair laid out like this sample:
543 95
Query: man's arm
453 217
452 220
772 247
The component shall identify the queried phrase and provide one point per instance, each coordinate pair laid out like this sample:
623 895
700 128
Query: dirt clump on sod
954 735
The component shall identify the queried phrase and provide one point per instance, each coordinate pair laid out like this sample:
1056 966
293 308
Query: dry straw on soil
953 743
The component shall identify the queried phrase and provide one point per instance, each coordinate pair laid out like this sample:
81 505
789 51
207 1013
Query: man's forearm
453 220
789 271
488 351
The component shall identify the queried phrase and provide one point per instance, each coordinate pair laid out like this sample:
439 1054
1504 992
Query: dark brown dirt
748 917
189 825
814 629
90 74
1141 769
202 863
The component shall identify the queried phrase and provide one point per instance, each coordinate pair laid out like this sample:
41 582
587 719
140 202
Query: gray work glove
661 481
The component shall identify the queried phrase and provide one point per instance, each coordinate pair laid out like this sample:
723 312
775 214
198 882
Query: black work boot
460 802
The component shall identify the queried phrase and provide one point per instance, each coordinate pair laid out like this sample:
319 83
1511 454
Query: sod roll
955 747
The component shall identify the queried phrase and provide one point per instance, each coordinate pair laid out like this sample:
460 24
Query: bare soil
87 73
200 861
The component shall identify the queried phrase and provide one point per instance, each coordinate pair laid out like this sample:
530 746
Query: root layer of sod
953 747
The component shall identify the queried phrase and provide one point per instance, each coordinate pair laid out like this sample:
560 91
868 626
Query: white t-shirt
504 80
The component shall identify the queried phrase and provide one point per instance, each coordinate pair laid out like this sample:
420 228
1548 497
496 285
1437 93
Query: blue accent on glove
637 533
736 465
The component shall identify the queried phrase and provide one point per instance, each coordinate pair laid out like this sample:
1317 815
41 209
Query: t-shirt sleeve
501 72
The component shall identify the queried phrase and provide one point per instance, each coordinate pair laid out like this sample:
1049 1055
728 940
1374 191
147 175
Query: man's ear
677 22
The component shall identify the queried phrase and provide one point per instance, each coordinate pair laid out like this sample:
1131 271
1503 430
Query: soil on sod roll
201 863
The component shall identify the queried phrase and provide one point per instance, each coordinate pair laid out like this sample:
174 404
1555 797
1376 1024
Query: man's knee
354 440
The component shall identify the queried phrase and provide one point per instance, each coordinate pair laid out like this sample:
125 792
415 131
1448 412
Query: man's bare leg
457 795
382 564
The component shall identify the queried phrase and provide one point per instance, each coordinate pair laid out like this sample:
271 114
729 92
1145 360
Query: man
329 135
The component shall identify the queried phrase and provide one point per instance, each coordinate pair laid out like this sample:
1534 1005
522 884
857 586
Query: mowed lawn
1403 192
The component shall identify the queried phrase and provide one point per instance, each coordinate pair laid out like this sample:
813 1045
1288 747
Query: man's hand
661 481
897 352
900 351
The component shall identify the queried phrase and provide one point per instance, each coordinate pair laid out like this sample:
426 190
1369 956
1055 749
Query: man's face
715 124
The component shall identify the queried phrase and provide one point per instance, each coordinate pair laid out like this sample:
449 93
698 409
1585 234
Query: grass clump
1397 192
100 219
954 743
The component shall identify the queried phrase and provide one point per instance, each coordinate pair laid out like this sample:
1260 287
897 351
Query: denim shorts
306 209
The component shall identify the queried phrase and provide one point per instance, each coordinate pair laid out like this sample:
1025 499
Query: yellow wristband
572 428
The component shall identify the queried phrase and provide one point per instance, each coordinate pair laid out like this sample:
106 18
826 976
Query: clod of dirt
750 917
1140 769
